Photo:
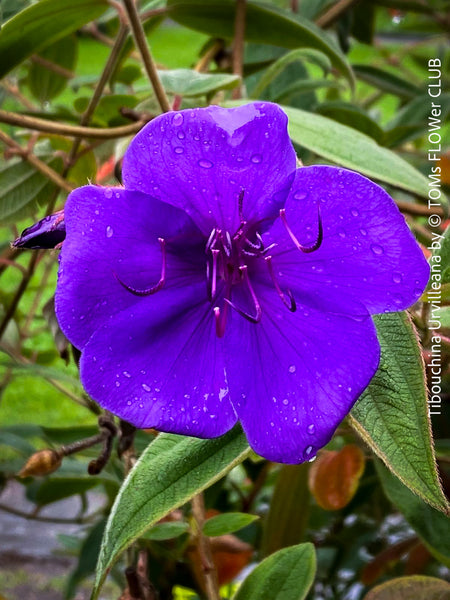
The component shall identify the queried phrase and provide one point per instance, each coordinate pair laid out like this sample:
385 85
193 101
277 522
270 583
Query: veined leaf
21 186
191 83
386 81
170 471
396 391
227 523
419 587
42 24
264 23
345 146
302 54
285 575
430 525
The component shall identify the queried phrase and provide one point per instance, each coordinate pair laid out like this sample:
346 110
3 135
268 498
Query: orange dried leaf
334 477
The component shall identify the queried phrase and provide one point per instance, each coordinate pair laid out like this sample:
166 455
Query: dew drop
117 383
418 291
128 402
126 374
300 195
311 429
146 387
363 232
205 164
285 401
109 231
177 119
141 405
256 158
341 232
376 249
108 193
308 451
398 300
354 212
180 135
397 278
178 150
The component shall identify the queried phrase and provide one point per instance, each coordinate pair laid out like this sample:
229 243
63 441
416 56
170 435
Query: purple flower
223 284
47 233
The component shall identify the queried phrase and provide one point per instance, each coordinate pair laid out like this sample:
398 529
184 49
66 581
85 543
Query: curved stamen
257 317
288 299
155 288
215 256
211 240
319 239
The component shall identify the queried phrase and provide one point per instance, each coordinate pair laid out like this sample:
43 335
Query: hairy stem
204 549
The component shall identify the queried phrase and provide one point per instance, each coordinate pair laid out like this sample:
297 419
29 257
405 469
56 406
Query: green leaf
302 54
289 509
418 587
386 81
22 186
392 413
286 575
46 84
42 24
347 147
264 23
187 82
353 116
166 531
227 523
170 471
431 526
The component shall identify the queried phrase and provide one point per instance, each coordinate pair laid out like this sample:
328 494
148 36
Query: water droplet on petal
308 451
108 193
128 402
397 278
363 232
354 212
109 231
300 195
341 232
376 249
146 387
178 150
180 135
117 383
311 429
292 369
285 401
398 300
177 119
418 291
256 158
126 374
205 164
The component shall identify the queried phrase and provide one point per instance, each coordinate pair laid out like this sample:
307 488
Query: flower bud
41 463
47 233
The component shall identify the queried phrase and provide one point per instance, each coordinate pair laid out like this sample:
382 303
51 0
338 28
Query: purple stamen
306 249
288 299
257 317
215 256
155 288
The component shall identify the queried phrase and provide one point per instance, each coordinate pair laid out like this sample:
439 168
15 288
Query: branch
70 130
238 45
36 162
204 549
149 63
334 12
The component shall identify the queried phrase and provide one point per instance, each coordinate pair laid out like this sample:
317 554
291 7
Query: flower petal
200 160
159 364
295 376
112 234
368 255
